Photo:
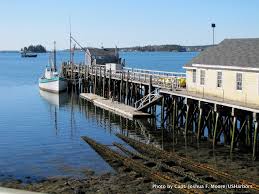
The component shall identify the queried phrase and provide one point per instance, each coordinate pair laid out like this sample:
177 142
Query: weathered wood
127 89
104 81
95 81
174 115
215 129
233 133
109 84
255 135
199 124
162 110
186 118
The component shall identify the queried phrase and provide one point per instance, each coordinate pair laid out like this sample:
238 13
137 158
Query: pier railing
161 79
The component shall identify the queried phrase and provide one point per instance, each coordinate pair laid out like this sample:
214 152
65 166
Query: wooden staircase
148 100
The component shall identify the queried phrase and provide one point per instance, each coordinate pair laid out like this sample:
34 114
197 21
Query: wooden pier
164 94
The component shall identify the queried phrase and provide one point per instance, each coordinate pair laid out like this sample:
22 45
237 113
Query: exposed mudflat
125 181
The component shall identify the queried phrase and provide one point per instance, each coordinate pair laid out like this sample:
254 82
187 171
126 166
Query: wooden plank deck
114 106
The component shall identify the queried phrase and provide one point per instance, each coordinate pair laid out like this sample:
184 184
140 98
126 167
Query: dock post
187 117
162 110
233 130
87 78
114 90
127 88
248 130
95 80
104 81
100 81
150 87
92 79
109 84
174 114
255 134
121 85
199 122
215 130
84 85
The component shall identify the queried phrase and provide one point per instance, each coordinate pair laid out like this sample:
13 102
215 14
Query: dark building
102 56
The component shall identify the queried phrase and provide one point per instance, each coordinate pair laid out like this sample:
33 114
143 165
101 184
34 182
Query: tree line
34 49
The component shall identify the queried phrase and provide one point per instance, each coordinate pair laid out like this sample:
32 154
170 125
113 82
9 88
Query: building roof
102 51
242 53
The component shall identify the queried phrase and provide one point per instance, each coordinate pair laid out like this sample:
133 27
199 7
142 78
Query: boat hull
54 85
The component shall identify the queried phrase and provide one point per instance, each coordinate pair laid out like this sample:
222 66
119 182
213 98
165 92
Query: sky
125 23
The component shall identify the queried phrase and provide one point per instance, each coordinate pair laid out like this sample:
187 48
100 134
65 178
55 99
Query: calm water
40 133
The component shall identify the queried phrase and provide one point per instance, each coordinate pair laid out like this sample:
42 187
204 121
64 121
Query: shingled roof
230 52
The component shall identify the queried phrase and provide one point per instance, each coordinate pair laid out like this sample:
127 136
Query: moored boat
51 81
24 54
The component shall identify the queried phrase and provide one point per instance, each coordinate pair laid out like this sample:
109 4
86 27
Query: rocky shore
124 181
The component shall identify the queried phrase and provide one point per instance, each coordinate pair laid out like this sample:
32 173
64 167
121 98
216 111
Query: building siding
248 94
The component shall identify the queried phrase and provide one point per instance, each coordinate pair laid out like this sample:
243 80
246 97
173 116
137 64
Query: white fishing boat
51 81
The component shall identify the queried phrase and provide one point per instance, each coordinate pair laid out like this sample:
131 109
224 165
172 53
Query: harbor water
41 132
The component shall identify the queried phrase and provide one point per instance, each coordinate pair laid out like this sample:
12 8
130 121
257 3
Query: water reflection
54 99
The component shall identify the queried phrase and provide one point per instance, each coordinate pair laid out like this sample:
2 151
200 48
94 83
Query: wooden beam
255 134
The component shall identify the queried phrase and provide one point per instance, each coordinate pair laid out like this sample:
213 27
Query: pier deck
114 106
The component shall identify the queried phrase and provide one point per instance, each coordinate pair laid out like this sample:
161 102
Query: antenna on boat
55 60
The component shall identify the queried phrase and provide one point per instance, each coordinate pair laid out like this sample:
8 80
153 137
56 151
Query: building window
194 76
239 81
219 79
202 77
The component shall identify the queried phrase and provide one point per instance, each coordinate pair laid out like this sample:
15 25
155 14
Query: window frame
194 76
221 80
239 83
202 78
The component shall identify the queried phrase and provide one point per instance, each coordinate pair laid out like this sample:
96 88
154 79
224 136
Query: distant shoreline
148 48
119 51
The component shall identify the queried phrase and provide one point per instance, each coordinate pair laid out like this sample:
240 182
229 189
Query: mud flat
122 182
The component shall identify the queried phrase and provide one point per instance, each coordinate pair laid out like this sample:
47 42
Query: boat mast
70 41
55 60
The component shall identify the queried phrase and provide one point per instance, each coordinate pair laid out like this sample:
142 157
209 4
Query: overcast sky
125 22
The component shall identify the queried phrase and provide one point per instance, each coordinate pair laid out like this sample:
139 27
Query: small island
34 49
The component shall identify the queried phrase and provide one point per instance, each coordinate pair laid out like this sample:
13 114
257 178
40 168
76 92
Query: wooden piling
109 84
199 122
127 89
186 118
233 130
104 81
215 129
95 80
255 135
162 110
